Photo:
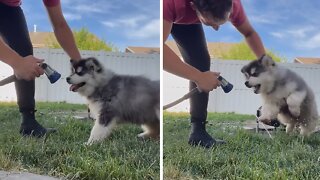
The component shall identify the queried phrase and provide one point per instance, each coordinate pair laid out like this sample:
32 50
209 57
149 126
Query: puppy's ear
243 69
72 62
266 60
94 65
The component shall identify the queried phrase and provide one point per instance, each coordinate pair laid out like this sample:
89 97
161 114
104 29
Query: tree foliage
241 51
85 40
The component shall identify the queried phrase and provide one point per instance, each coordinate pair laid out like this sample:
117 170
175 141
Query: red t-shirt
15 3
180 12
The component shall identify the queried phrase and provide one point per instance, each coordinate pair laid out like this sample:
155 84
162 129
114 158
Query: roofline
130 50
298 60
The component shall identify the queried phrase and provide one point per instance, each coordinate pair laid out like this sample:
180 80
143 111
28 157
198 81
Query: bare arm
205 81
63 32
171 61
252 38
24 67
8 55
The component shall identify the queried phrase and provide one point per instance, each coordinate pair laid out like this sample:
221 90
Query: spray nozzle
225 85
52 74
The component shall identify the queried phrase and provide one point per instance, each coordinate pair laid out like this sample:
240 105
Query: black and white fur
115 99
285 95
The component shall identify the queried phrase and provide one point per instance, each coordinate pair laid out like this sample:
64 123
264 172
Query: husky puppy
285 95
115 99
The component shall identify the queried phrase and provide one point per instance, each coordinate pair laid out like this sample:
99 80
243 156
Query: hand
207 81
28 68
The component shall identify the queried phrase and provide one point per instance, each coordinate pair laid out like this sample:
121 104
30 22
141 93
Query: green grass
241 51
247 155
64 154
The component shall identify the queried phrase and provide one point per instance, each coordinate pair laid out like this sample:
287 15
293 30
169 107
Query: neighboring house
216 49
142 50
41 39
304 60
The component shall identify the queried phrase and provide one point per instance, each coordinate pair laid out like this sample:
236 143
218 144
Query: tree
241 51
85 40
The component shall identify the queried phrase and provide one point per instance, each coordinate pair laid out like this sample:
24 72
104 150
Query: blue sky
289 27
123 23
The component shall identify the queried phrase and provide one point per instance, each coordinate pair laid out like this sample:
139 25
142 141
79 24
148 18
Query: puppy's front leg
101 131
268 112
294 101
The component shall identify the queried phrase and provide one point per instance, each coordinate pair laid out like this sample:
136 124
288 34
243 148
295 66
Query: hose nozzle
225 85
52 74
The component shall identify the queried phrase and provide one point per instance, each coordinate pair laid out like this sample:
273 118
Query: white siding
241 99
122 63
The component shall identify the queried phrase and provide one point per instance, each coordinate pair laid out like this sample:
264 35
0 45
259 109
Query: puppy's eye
79 69
254 74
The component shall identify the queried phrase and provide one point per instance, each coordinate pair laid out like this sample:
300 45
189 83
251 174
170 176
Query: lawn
247 155
64 155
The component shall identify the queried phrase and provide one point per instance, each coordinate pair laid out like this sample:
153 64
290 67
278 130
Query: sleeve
51 3
238 16
168 10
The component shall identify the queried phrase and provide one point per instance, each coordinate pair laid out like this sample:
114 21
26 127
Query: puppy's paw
146 135
143 136
89 142
294 111
264 120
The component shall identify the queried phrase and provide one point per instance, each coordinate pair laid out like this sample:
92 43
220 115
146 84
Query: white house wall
241 99
147 65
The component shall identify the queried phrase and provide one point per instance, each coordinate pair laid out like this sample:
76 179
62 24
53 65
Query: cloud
93 8
136 27
302 38
301 32
110 24
277 34
150 30
312 42
131 22
263 19
72 17
295 32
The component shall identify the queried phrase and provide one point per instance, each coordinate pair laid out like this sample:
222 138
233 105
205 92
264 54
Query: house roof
143 50
307 60
216 49
40 39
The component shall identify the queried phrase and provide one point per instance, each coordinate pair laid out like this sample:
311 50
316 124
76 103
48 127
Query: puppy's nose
68 79
247 84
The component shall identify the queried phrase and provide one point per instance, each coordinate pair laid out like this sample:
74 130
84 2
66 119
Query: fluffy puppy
285 95
115 99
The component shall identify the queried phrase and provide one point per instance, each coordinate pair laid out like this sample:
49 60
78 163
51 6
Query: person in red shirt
183 19
16 50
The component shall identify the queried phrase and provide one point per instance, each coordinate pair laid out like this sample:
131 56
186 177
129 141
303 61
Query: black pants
192 44
14 31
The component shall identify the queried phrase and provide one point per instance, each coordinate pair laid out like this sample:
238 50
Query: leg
290 127
15 32
100 131
308 128
151 130
294 102
193 47
104 124
269 112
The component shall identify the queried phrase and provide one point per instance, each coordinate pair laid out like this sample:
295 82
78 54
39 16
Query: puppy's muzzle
68 79
247 84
